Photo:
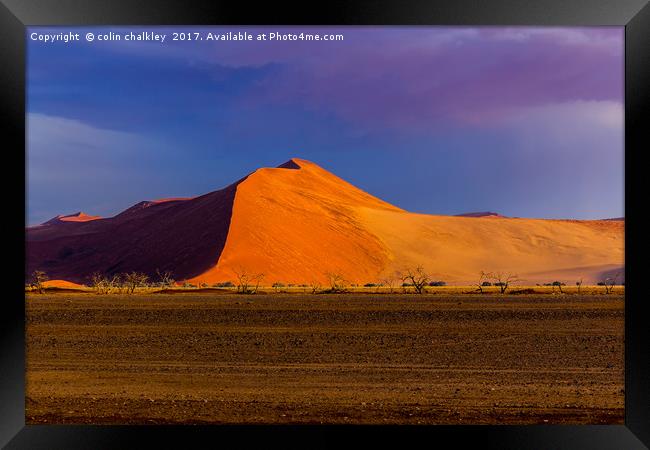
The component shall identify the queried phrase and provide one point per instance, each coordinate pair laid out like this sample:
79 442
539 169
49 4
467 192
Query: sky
527 122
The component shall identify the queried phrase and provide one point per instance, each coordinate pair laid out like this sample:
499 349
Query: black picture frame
15 15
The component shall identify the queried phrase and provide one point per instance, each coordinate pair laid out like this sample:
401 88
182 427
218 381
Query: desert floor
377 359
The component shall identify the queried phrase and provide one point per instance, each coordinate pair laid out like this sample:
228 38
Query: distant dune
480 214
297 222
61 284
76 217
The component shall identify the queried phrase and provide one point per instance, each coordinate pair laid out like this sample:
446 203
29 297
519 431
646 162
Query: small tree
38 278
115 283
133 280
165 279
579 284
610 282
336 282
277 286
248 283
559 285
503 280
99 283
315 287
418 278
483 281
389 282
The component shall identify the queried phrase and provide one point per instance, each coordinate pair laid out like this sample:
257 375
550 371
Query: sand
76 217
368 359
61 284
297 223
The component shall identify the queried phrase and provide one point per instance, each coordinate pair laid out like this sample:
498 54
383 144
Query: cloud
407 79
566 157
60 148
429 79
75 166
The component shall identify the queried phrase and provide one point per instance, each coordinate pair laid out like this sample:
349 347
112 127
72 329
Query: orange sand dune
295 226
76 217
298 222
457 249
61 284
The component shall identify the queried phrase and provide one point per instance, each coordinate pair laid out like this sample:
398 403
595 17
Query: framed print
392 220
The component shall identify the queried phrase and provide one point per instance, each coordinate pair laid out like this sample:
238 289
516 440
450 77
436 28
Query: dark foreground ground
210 358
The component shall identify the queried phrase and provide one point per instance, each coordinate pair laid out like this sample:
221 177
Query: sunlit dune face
61 284
299 223
78 217
457 249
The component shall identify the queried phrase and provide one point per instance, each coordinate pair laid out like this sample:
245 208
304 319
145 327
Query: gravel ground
376 359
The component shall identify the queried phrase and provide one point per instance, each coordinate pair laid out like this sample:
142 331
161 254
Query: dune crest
297 223
76 217
480 214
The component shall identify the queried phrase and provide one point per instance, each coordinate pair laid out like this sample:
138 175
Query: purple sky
443 120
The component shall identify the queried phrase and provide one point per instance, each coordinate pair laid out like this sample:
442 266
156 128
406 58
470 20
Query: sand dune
76 217
298 222
60 284
456 249
182 236
480 214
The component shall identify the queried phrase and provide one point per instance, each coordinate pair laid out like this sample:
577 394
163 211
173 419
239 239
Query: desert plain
223 358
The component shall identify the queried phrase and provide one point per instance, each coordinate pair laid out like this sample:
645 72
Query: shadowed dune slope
298 222
184 236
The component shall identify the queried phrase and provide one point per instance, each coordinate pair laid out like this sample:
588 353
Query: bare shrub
557 284
579 284
316 287
99 283
483 281
503 280
610 282
390 282
248 283
133 280
114 284
165 279
417 278
38 278
336 282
